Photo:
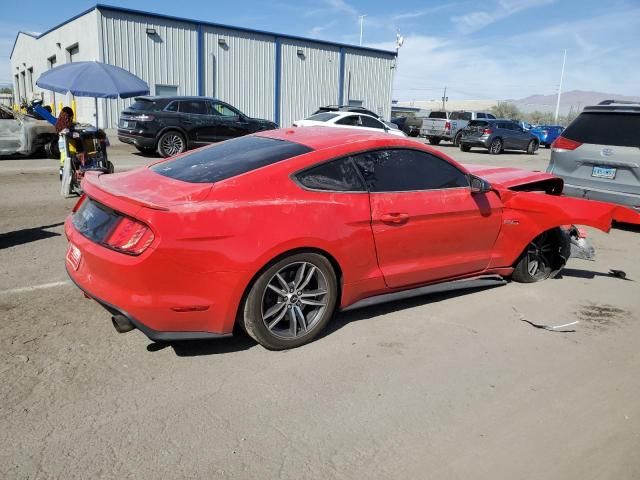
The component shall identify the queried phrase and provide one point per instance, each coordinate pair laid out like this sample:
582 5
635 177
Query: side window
224 110
491 116
172 107
337 175
197 107
352 120
481 115
400 170
370 122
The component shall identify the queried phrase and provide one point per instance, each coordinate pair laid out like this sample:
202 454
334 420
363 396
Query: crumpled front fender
528 214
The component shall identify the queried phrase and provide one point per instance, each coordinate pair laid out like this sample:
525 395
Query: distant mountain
572 100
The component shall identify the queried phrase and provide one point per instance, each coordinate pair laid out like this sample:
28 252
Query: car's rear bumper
627 199
475 142
142 141
155 292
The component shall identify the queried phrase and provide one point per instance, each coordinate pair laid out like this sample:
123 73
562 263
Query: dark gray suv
598 154
496 136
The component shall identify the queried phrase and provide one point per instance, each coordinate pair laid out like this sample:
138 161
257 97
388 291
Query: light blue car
547 133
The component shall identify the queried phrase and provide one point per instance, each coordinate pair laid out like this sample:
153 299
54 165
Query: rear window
617 129
438 115
228 159
460 116
94 220
140 105
322 117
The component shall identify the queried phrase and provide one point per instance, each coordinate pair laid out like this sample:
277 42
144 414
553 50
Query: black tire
146 150
464 148
457 139
171 143
275 336
547 145
51 149
532 147
543 258
434 140
496 147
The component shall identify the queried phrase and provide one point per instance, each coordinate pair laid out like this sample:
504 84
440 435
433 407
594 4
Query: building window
166 90
51 62
17 88
30 79
72 52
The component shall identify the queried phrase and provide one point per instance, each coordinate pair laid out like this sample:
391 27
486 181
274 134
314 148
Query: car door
522 137
508 135
230 123
426 223
196 120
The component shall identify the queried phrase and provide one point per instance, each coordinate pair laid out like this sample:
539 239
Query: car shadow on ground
627 227
27 235
589 274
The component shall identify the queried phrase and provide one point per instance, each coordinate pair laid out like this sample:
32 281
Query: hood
513 178
146 188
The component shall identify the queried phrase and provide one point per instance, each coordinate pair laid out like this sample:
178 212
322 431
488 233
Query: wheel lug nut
288 306
299 293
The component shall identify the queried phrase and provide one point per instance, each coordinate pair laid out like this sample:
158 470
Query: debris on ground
618 274
550 328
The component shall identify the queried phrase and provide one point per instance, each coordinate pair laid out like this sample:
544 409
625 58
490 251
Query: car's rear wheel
532 147
434 140
51 149
457 139
464 148
290 303
171 143
496 147
539 259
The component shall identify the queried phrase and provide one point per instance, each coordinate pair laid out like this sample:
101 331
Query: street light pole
564 59
361 28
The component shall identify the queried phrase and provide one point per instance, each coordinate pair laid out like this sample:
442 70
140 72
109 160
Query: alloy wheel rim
495 147
294 300
539 257
172 144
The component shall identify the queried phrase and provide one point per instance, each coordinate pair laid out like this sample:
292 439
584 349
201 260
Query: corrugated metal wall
167 58
240 70
308 81
368 76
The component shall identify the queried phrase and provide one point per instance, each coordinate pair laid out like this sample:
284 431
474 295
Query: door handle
395 218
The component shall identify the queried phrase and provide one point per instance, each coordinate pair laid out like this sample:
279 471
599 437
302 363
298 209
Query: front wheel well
334 264
562 248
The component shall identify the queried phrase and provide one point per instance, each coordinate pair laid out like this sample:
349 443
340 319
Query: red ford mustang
277 230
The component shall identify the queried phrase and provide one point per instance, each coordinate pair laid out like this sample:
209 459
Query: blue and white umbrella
93 79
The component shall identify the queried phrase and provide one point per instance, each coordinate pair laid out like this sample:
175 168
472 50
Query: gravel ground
450 386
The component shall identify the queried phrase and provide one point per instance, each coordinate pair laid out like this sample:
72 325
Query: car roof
320 137
614 106
153 98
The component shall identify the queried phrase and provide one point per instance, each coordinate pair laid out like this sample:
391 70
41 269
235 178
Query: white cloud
342 6
477 20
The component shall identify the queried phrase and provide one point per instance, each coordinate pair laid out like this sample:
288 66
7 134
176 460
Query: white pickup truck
442 125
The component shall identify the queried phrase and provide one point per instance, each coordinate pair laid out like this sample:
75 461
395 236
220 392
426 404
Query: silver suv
598 155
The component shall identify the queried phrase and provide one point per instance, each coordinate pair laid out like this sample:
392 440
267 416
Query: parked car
355 109
547 133
171 125
497 136
441 125
598 154
22 134
409 124
278 230
347 120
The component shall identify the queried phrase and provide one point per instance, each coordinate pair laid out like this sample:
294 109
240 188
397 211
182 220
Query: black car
498 135
171 125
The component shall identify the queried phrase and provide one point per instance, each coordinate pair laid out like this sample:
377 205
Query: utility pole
564 59
361 28
444 99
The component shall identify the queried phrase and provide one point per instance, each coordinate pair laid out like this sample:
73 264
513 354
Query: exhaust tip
122 324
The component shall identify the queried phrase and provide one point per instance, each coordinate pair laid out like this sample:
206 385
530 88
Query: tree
8 90
506 110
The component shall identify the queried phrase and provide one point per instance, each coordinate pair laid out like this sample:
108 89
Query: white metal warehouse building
267 75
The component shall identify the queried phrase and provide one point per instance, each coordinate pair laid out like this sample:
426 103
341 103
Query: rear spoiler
91 185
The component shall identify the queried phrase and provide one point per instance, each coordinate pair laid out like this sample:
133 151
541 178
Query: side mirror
479 185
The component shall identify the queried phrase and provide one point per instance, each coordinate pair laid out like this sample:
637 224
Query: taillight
78 203
562 144
143 118
447 126
487 131
130 236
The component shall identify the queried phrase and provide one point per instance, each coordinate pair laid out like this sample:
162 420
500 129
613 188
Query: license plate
73 256
604 172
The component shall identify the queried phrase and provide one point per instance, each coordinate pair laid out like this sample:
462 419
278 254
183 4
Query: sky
483 50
